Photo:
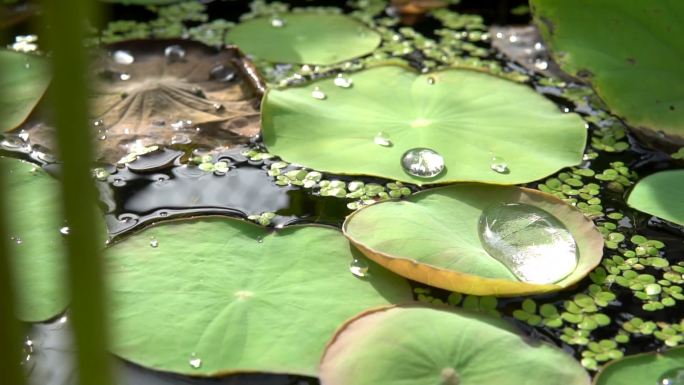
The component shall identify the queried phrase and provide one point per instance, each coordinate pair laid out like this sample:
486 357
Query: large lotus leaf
37 245
468 117
433 237
649 368
428 346
168 91
306 37
660 194
630 51
23 80
218 295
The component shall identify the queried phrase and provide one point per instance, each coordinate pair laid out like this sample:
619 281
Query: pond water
165 184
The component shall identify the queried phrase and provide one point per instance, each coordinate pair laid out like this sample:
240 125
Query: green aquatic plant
25 77
661 368
660 194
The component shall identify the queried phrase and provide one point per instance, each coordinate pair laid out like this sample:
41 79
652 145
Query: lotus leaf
473 120
308 38
433 237
661 195
216 296
24 77
427 346
629 50
648 368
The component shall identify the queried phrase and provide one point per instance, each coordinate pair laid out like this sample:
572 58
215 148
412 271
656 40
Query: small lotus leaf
469 118
216 296
24 79
427 346
661 195
629 50
432 237
308 38
648 368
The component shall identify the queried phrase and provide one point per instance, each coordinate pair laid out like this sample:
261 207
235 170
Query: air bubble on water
174 53
342 81
499 165
318 94
422 162
382 139
277 22
123 57
358 267
154 242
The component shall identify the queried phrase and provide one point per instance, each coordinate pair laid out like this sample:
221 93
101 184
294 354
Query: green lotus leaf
25 78
427 346
37 245
473 120
629 50
649 368
434 237
216 296
309 38
660 194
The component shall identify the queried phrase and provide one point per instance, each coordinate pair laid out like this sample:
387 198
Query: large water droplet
358 267
318 94
422 162
499 165
154 242
672 377
277 22
174 53
342 81
123 57
382 139
195 361
529 241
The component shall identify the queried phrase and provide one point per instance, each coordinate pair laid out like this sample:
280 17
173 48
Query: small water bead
154 242
499 165
672 377
533 244
217 106
174 53
118 182
124 76
318 94
422 162
541 64
382 139
123 57
358 267
64 230
277 22
180 139
342 81
181 124
221 73
28 349
16 240
195 362
430 80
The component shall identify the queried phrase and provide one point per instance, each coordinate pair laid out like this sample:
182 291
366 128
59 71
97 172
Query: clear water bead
221 73
124 76
342 81
422 162
174 53
382 139
123 57
533 244
499 165
672 377
431 80
358 267
195 362
318 94
277 22
154 242
64 230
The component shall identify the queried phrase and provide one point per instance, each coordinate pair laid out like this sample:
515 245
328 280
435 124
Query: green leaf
468 117
629 50
308 38
375 348
25 78
143 2
217 296
433 237
649 368
661 195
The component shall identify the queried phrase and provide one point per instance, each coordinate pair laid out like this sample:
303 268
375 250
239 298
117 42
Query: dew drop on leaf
499 165
174 53
358 267
123 57
382 139
318 94
422 162
342 81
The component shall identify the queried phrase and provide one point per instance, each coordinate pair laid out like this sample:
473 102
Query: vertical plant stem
65 22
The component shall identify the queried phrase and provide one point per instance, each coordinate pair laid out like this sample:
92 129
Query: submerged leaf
483 128
308 38
217 295
427 346
536 244
657 368
661 195
24 79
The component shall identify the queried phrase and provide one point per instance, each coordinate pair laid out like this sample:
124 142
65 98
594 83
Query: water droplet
180 139
118 182
499 165
64 230
342 81
358 267
181 124
541 64
154 242
16 240
217 106
13 142
422 162
672 377
529 241
431 80
318 94
221 73
195 361
28 349
123 57
124 76
277 22
174 53
382 139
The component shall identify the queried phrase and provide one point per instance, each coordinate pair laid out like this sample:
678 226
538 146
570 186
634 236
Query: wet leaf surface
657 368
660 194
25 77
